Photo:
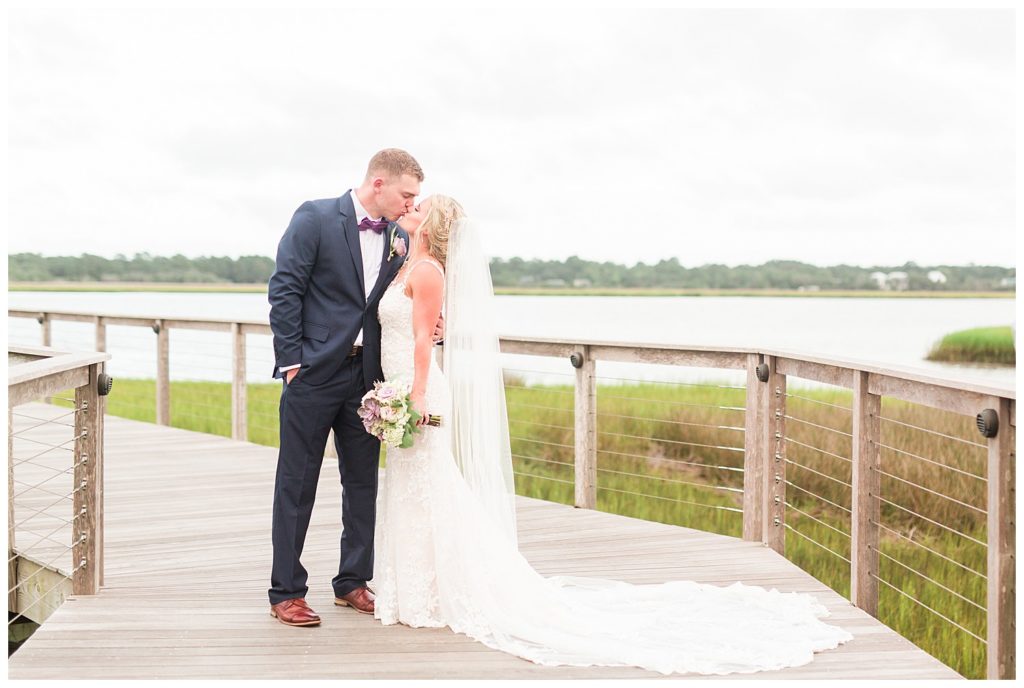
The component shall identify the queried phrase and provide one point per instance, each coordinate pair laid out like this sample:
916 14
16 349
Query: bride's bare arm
426 286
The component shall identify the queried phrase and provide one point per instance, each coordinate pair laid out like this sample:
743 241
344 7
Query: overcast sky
732 136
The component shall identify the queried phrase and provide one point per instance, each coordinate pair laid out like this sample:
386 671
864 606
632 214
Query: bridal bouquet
387 414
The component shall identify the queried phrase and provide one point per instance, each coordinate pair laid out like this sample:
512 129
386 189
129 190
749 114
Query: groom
334 262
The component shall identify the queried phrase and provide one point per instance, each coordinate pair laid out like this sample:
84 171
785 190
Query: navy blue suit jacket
317 299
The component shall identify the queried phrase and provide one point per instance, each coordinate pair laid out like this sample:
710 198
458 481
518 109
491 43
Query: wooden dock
187 551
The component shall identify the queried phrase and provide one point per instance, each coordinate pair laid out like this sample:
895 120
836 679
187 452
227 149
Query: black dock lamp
988 423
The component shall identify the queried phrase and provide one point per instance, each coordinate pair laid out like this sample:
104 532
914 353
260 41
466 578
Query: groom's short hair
394 162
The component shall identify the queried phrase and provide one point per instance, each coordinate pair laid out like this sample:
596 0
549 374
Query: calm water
889 331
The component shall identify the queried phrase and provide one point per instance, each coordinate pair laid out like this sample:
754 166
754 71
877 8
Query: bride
446 552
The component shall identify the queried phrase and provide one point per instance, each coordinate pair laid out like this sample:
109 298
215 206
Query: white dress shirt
371 245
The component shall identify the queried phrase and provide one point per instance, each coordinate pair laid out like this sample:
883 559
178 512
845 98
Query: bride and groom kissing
364 286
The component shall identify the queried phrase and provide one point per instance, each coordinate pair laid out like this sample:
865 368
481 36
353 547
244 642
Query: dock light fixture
103 384
762 372
988 423
576 358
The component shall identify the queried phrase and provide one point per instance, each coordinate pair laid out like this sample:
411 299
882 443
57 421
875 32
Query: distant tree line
32 267
516 272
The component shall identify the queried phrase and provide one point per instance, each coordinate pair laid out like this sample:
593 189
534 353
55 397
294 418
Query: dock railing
54 480
836 475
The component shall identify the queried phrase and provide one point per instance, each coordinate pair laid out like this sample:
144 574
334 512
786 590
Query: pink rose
398 246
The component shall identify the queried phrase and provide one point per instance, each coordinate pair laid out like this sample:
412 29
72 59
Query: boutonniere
397 244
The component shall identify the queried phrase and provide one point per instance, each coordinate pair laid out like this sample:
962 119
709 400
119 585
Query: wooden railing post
100 419
163 374
867 483
774 404
586 432
1002 593
44 320
85 560
239 423
12 561
754 455
101 334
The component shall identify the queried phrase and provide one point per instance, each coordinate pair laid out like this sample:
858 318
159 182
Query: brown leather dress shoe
360 599
294 613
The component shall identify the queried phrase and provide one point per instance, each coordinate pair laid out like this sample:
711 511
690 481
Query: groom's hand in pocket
289 374
439 330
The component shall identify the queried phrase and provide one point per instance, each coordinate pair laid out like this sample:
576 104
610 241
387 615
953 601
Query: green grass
978 345
661 447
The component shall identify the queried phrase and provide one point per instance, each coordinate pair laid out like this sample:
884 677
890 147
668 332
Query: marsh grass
978 345
674 454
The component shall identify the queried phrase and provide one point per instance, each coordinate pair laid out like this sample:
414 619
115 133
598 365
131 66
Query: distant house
880 279
897 281
808 287
554 283
936 277
581 282
1008 282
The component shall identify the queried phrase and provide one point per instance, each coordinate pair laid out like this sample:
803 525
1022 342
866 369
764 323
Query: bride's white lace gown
440 562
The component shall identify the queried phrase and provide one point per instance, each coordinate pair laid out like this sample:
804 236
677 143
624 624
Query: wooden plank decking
188 560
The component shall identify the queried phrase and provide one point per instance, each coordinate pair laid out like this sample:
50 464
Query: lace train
440 562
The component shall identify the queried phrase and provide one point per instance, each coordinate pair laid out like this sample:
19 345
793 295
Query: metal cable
63 459
539 372
685 463
31 486
808 468
543 477
665 382
543 425
662 479
673 422
808 446
806 537
929 549
933 432
546 390
537 458
838 506
937 494
546 408
658 439
943 465
827 525
817 401
51 421
52 447
44 537
24 507
823 427
930 580
49 506
928 608
553 444
674 403
671 499
952 530
48 536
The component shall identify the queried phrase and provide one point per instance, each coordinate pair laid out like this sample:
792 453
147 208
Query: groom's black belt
356 350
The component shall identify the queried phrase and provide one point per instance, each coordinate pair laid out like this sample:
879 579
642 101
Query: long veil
479 426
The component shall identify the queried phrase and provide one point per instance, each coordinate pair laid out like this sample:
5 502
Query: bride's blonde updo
437 225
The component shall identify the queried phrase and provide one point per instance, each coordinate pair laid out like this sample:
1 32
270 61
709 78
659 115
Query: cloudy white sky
729 136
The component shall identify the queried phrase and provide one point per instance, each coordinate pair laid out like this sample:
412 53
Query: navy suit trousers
308 412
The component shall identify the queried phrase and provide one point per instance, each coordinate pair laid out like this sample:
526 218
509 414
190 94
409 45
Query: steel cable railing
54 482
825 458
